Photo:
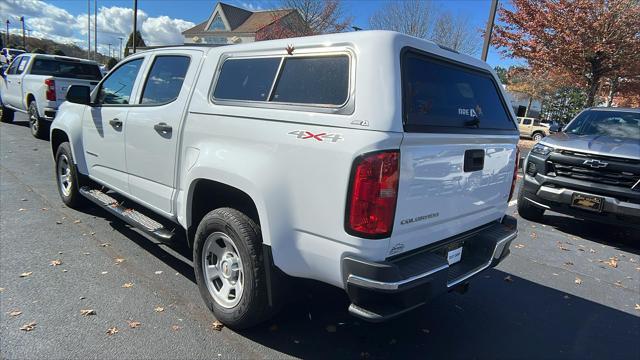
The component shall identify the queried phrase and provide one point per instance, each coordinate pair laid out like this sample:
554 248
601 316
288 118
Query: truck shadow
495 319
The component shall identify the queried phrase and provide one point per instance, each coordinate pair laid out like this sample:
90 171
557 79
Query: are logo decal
322 137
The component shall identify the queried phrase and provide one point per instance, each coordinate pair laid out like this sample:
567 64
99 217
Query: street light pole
489 29
95 29
88 29
135 25
120 49
7 34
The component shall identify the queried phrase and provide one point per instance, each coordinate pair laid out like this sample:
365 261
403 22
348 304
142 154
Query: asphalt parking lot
569 289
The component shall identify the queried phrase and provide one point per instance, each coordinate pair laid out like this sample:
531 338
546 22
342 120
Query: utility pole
7 45
120 49
109 49
135 25
88 29
489 29
95 29
24 39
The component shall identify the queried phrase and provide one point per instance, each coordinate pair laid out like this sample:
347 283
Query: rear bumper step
130 216
382 290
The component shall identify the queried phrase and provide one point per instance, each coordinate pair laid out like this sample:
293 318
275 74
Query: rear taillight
515 174
373 191
51 89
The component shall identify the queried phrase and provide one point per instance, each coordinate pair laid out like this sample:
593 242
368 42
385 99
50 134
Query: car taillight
373 191
51 89
515 174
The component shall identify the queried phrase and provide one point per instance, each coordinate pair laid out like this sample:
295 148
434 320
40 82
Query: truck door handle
162 128
116 123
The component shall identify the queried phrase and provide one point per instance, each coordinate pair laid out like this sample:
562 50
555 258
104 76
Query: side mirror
79 94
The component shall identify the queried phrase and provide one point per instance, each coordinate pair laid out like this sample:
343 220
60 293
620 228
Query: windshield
66 69
623 124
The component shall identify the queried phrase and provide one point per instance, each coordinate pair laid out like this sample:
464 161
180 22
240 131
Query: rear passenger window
313 80
246 79
526 122
443 97
165 79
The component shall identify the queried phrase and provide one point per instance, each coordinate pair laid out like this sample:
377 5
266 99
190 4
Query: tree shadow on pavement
625 239
495 319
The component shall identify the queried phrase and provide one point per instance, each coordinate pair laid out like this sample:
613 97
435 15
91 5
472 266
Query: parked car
532 128
306 157
7 55
36 84
590 170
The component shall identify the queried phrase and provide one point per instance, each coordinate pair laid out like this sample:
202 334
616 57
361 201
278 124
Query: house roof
240 20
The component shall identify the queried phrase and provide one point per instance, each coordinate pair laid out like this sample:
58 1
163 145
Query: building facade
229 24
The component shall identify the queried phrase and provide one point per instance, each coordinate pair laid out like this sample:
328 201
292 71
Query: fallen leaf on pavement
637 307
618 283
112 331
1 289
87 312
217 325
65 270
77 222
159 309
119 260
23 199
25 274
127 285
613 262
58 222
134 324
55 262
331 328
533 235
592 251
15 312
519 246
568 263
158 272
632 260
176 327
578 281
28 327
104 272
44 209
508 278
22 209
561 247
104 244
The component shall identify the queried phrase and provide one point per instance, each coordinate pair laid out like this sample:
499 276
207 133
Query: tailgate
458 152
63 84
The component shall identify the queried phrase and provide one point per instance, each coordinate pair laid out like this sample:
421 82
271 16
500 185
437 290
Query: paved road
538 312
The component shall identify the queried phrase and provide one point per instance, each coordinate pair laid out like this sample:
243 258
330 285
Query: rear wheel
37 125
229 268
527 210
7 115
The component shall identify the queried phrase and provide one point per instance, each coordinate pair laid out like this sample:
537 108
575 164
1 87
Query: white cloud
251 6
49 21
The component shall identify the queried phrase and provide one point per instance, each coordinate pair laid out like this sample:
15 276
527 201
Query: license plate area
452 252
587 202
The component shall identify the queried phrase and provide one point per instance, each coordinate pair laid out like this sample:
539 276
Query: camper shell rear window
443 96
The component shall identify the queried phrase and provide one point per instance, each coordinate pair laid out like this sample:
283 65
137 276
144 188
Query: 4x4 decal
303 135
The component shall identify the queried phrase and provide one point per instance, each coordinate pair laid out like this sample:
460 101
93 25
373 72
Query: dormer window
217 24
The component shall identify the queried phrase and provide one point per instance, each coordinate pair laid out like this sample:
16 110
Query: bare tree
320 17
423 19
456 33
412 17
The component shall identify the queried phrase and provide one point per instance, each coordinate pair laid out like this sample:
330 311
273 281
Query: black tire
7 115
72 198
537 136
39 128
252 307
527 210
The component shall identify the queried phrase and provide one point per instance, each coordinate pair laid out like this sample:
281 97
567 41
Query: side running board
130 216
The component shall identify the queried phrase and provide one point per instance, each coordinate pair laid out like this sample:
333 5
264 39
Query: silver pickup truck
37 84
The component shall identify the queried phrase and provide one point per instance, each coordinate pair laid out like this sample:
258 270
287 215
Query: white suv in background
372 161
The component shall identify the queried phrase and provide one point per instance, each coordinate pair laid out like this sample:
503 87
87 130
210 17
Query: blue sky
183 12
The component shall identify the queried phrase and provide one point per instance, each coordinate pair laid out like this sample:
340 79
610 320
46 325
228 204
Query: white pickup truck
36 84
373 161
